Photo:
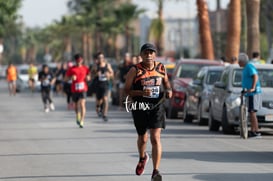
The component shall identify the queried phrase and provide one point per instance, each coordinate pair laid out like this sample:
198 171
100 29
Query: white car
225 99
23 77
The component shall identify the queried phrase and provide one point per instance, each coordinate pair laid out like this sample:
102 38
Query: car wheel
227 128
201 121
187 117
214 125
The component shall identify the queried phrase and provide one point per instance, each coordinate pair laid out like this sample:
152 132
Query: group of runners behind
143 81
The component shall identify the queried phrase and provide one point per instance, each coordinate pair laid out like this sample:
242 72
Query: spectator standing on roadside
250 82
256 58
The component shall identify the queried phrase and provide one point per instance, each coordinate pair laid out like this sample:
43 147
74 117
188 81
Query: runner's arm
88 75
110 70
167 86
129 82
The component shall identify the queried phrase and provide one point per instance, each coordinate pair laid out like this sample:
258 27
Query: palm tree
234 29
207 50
8 22
156 31
125 14
253 29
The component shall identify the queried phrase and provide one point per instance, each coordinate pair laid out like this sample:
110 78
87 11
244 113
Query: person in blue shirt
251 83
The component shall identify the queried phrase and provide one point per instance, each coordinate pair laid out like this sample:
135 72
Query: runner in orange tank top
11 74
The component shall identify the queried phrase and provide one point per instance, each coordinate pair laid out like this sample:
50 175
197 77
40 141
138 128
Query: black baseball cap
148 46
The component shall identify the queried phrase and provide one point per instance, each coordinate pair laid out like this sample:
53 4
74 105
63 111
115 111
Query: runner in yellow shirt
32 72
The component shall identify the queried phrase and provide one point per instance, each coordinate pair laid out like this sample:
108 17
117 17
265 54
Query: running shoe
105 118
51 106
81 124
141 164
78 119
252 134
156 176
46 109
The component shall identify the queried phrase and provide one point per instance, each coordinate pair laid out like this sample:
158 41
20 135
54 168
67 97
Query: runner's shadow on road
110 175
226 157
235 176
133 131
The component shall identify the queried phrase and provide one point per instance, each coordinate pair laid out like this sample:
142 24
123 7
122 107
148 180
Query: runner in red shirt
79 74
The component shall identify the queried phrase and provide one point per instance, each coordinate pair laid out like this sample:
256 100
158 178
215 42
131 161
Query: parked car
198 92
225 99
185 71
23 77
3 69
169 64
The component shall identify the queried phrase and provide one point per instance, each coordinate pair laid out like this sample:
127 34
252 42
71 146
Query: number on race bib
79 86
154 91
45 82
102 77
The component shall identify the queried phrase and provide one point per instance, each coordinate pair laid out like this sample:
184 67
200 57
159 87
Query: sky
43 12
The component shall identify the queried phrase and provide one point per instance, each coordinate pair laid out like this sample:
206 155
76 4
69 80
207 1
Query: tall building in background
218 25
181 36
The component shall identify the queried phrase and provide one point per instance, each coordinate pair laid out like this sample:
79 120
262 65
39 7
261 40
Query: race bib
79 86
46 82
102 77
154 91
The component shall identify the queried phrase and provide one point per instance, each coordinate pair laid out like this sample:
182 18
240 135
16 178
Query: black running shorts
149 119
102 89
76 96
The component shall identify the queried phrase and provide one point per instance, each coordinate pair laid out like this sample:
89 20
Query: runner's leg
156 147
142 144
106 105
83 108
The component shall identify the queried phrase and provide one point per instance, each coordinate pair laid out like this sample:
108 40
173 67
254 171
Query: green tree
9 25
125 14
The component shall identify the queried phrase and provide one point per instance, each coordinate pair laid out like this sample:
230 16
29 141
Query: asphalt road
38 146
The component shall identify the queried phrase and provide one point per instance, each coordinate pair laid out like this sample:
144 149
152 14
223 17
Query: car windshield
213 76
189 70
237 78
265 77
23 71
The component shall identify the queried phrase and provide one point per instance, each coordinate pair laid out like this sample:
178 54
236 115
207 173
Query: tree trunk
128 39
207 50
234 30
253 29
89 48
244 27
67 49
160 43
84 45
31 54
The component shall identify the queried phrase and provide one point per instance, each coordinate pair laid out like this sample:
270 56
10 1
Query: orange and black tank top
149 79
